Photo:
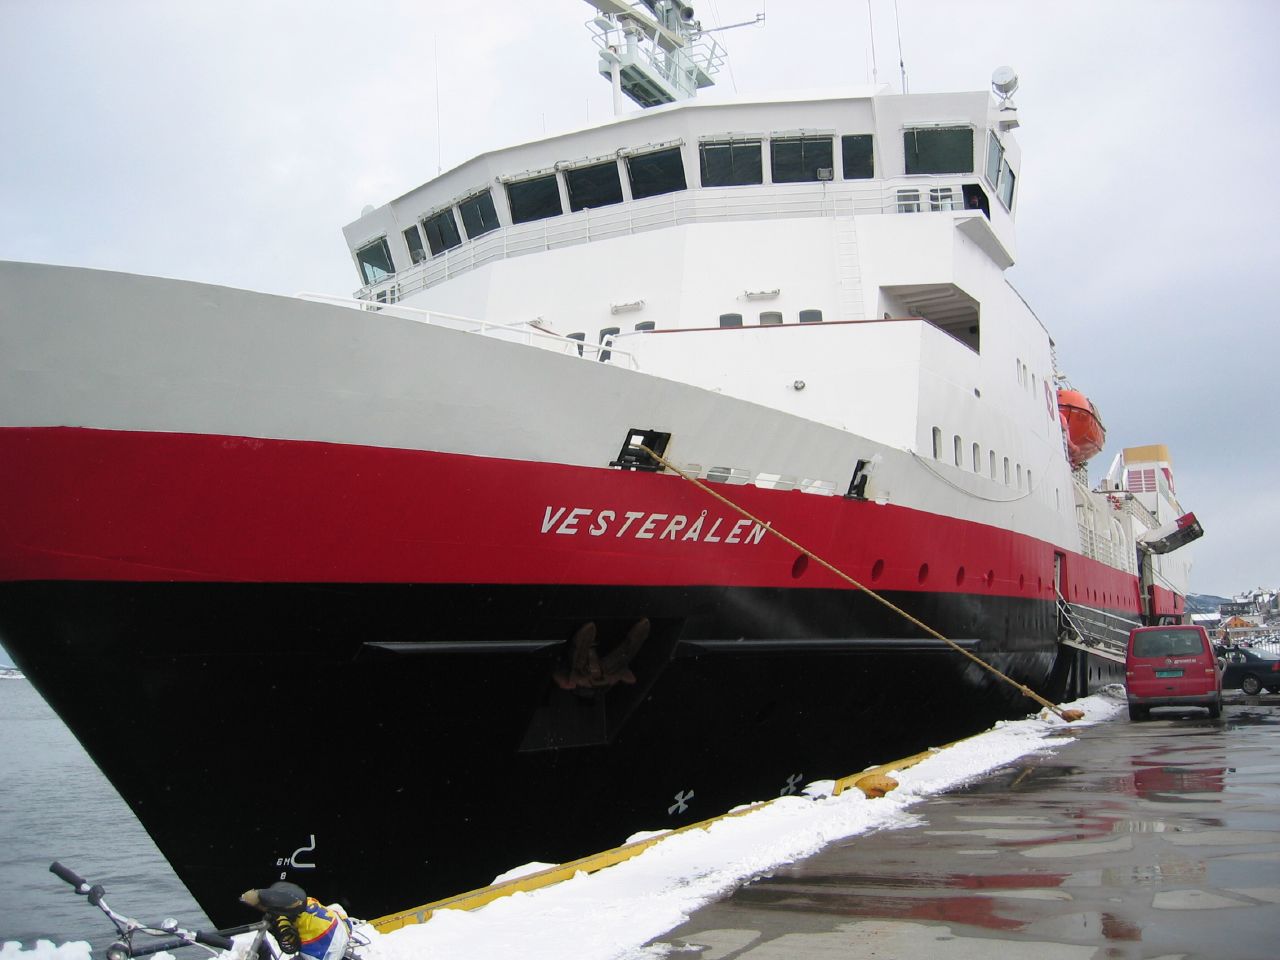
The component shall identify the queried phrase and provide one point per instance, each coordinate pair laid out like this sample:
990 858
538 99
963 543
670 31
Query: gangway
1092 631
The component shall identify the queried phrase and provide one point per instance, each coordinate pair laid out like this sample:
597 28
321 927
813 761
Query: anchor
587 670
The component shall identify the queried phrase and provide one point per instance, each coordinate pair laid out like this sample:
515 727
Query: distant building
1210 621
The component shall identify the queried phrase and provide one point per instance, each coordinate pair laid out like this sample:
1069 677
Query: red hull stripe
79 504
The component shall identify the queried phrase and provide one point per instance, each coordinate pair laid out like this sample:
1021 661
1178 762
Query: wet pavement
1139 840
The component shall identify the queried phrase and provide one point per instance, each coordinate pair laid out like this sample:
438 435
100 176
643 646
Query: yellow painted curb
474 899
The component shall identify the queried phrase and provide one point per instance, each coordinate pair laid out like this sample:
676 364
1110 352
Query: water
56 805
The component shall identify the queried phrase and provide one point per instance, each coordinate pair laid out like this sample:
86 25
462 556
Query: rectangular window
1006 185
958 447
595 186
534 199
730 164
656 173
414 239
939 150
375 261
798 159
442 232
937 444
478 215
855 151
995 154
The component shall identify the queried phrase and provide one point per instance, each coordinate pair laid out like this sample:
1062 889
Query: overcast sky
229 141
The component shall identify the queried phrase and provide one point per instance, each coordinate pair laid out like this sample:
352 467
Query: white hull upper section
113 351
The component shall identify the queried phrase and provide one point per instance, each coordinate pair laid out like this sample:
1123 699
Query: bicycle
127 927
262 946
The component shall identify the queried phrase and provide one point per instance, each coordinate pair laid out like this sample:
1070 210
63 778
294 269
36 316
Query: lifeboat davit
1081 426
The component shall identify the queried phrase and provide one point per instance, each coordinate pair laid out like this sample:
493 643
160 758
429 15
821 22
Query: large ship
389 593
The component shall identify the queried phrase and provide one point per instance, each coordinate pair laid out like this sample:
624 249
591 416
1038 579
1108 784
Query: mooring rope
1067 715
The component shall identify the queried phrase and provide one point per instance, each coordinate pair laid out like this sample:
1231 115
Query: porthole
877 570
923 573
1022 581
991 578
800 566
960 577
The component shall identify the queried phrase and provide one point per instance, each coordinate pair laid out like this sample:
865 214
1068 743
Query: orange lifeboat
1081 426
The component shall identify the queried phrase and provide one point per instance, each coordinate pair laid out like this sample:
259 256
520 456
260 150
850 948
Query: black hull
415 731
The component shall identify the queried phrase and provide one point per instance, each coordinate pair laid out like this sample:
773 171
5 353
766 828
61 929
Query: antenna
875 77
1004 82
902 65
435 56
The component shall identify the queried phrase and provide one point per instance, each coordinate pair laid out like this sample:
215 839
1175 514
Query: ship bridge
725 185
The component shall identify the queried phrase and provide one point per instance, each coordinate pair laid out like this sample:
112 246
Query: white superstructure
839 257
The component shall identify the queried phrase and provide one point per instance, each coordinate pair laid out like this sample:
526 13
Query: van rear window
1167 643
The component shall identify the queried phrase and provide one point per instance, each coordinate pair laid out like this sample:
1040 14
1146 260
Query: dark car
1250 669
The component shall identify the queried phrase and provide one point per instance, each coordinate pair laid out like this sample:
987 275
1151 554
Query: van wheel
1137 713
1215 709
1251 685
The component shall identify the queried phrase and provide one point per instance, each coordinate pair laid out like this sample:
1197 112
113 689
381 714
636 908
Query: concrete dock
1138 840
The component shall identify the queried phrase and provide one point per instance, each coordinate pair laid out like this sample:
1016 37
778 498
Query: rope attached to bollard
1067 715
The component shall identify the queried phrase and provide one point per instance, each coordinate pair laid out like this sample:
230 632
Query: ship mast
653 51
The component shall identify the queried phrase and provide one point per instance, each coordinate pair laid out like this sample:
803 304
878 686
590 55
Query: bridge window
730 163
534 199
810 316
855 151
442 232
730 319
414 239
595 186
800 159
1006 185
656 173
938 150
478 215
375 261
995 156
770 318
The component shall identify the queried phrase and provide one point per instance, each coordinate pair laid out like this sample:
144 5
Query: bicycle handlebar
69 875
127 926
213 939
172 943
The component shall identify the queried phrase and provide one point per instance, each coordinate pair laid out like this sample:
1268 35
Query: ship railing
529 332
1095 631
832 199
699 60
1102 548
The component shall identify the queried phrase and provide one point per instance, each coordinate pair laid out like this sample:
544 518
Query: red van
1171 666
